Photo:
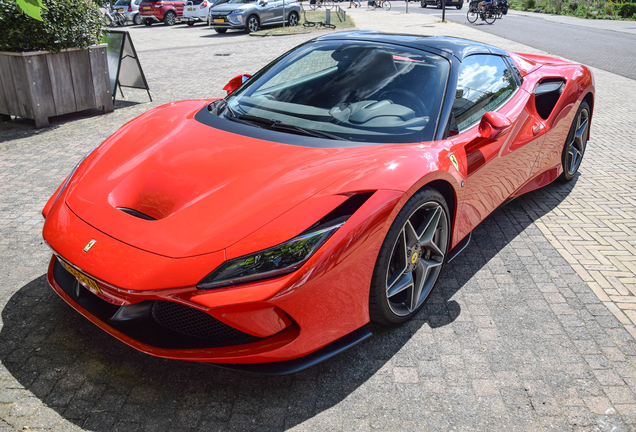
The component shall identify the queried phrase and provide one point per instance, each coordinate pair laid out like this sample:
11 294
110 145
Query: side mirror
493 125
236 83
263 2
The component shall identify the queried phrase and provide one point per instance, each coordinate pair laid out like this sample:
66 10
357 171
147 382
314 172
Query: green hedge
66 24
627 10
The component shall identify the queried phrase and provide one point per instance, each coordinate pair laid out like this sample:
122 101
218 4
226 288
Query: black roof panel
460 48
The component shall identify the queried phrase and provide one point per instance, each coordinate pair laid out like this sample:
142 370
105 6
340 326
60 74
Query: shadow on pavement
100 384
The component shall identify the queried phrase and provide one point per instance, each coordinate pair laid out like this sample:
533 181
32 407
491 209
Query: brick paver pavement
516 336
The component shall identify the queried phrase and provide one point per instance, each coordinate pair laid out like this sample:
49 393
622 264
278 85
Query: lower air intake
193 322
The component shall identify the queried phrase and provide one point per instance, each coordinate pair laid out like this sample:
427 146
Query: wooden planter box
39 85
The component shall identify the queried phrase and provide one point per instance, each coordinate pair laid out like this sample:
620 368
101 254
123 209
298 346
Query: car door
498 165
267 11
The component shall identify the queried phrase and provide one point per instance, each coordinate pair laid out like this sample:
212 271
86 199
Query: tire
490 17
170 18
438 5
472 15
371 6
423 3
386 5
137 20
190 23
576 143
292 20
460 6
220 30
148 22
252 24
410 259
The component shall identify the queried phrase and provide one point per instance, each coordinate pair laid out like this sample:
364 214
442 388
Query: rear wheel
386 5
252 24
472 15
137 19
575 145
459 6
148 22
220 30
190 23
293 19
169 18
490 17
410 259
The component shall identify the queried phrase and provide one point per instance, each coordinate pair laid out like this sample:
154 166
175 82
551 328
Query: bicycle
384 4
474 12
327 4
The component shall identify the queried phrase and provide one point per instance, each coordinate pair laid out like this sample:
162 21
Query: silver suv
250 15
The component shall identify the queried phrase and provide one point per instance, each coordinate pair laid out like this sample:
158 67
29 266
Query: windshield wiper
220 105
285 127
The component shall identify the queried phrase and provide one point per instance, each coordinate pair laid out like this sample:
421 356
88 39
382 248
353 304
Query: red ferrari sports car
264 231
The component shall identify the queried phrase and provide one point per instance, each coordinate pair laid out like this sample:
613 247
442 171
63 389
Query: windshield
122 3
358 91
241 1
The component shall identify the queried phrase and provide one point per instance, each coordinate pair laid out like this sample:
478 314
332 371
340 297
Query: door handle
538 127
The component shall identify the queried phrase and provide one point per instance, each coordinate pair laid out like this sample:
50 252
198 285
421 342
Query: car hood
206 188
225 7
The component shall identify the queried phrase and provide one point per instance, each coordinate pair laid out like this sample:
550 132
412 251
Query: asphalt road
604 49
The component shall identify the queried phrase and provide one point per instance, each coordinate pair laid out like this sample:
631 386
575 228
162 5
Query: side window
485 83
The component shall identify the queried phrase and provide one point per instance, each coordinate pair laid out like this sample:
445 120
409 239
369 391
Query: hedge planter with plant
54 66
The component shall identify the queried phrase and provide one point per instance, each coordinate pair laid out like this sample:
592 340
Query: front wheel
190 23
490 17
410 259
472 15
386 5
575 145
252 24
459 6
293 19
170 18
148 22
220 30
371 6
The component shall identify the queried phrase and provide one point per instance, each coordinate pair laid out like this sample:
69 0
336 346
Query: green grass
312 16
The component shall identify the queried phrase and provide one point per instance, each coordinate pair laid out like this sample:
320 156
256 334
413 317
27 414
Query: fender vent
135 213
546 96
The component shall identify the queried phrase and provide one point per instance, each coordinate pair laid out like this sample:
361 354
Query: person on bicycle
355 3
483 4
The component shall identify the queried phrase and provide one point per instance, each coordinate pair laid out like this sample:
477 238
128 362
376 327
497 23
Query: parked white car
197 10
130 9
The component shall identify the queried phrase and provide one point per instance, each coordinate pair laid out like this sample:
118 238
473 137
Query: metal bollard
328 17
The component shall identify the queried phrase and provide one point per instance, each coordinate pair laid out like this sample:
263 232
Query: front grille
157 323
193 322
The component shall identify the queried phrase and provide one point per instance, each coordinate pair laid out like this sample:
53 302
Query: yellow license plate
219 20
191 9
120 10
147 8
81 277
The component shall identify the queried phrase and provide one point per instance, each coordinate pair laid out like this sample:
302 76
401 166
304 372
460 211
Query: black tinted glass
367 92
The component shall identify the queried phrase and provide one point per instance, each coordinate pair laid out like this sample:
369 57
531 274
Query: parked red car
168 12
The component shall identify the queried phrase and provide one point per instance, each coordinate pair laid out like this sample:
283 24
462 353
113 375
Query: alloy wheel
417 258
576 147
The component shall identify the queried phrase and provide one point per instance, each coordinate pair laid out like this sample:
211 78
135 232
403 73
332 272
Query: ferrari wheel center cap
414 257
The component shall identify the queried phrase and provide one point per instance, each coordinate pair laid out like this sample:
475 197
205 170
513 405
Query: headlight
68 178
276 261
236 11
